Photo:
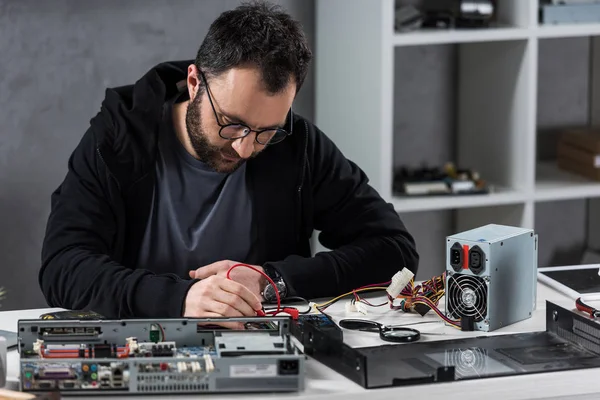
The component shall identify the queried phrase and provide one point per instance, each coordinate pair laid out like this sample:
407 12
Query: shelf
561 31
554 184
434 36
498 198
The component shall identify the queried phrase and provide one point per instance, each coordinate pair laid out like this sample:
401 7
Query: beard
206 152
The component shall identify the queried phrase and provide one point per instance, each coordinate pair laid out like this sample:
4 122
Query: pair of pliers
581 306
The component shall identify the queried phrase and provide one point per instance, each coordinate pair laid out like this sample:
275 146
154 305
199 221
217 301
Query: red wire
270 281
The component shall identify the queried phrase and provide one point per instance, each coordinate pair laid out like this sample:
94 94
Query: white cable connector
399 282
208 363
132 344
313 308
37 346
350 307
361 308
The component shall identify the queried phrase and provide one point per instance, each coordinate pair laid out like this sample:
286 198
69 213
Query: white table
324 383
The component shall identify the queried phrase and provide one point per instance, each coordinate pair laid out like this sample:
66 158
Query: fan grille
467 297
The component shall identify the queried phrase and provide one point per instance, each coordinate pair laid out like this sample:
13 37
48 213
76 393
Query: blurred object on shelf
408 18
553 12
449 180
579 152
440 19
448 14
475 14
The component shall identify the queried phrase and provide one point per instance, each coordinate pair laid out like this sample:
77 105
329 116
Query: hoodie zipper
301 183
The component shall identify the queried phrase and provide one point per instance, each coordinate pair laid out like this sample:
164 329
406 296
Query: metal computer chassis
570 342
118 357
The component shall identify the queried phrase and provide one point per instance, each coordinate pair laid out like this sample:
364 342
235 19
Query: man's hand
217 296
252 280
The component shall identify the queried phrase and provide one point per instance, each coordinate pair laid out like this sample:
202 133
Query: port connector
476 260
288 367
45 384
69 333
456 257
67 384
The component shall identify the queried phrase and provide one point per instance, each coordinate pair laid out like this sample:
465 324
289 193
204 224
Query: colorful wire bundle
420 298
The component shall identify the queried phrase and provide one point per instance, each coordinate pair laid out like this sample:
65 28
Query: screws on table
581 306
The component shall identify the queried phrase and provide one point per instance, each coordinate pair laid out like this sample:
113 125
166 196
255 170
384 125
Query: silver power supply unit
491 279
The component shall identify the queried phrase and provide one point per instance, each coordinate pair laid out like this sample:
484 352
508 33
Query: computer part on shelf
159 356
434 181
569 12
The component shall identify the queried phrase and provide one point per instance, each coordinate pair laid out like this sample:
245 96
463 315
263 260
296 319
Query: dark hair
257 33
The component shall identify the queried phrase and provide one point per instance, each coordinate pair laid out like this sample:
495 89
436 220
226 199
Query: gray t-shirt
198 216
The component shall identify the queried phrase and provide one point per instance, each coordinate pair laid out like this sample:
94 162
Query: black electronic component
322 321
288 367
160 350
422 309
103 351
456 256
467 323
476 260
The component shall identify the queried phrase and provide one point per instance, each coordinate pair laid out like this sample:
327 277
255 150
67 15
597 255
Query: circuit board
159 356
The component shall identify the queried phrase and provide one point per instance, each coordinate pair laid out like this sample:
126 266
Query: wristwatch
280 286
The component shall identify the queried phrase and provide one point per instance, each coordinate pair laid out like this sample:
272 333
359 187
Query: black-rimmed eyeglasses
235 131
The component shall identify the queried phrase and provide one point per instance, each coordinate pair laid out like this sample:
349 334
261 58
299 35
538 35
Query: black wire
293 299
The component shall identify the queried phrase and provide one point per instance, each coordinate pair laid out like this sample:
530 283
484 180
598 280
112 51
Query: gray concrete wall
56 59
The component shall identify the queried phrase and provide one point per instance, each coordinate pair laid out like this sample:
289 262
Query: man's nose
244 146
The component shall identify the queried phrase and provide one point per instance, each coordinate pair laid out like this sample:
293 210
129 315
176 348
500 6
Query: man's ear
193 81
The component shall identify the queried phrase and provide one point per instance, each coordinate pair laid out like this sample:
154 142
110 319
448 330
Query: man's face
238 97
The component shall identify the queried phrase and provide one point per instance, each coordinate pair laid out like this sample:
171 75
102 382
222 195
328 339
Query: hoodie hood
130 116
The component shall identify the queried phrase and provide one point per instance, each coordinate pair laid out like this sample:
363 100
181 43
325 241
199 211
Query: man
201 165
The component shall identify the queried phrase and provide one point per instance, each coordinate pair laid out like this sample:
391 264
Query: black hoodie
100 210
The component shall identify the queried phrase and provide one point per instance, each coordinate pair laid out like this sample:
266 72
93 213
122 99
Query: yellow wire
439 313
350 293
439 295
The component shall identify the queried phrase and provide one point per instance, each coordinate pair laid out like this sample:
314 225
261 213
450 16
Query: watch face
269 293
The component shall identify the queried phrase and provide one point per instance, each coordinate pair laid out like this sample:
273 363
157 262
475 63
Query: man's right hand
217 296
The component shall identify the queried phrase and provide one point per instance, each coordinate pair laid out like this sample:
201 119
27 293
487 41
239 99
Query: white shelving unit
496 104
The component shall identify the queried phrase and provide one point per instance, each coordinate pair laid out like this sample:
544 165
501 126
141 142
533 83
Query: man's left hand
254 281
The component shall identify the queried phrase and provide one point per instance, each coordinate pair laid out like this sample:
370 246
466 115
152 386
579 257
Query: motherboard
159 356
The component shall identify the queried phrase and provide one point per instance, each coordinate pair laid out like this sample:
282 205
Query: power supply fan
471 362
467 297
